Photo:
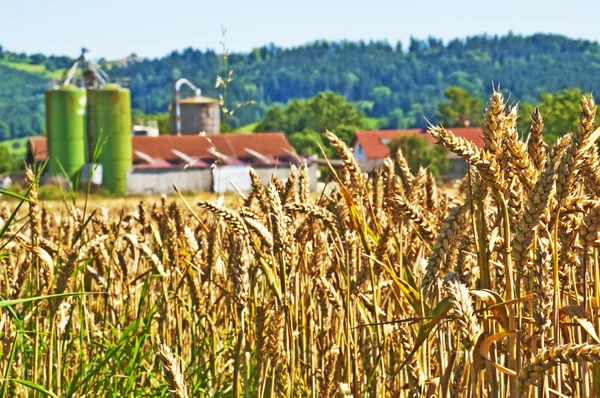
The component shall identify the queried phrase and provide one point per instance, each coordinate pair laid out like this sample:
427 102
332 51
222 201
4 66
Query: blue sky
151 28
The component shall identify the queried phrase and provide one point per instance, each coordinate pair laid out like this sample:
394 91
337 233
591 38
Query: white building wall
313 174
359 153
159 181
225 177
220 179
230 178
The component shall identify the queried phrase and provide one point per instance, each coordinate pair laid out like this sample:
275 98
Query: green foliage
399 119
560 110
4 131
164 123
7 164
461 110
226 128
528 66
162 119
373 123
21 103
419 153
327 110
17 148
307 142
382 99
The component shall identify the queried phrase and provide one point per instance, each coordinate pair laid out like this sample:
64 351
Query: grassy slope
18 153
39 69
247 128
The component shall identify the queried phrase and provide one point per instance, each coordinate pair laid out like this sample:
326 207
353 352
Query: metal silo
112 131
200 114
65 125
196 114
90 119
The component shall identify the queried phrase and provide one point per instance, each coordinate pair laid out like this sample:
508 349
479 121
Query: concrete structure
149 129
201 163
231 178
198 115
152 181
371 147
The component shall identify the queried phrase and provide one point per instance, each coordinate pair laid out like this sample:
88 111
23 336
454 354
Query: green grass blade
35 387
9 303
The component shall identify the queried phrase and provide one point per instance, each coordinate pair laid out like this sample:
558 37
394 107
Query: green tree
4 131
461 110
398 119
526 66
274 120
327 110
420 153
164 122
307 142
381 97
560 110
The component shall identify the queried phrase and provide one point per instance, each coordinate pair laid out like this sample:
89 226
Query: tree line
402 87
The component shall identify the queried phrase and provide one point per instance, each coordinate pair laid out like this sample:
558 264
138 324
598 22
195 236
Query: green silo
65 126
90 127
112 131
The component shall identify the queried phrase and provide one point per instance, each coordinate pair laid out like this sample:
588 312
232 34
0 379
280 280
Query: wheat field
387 287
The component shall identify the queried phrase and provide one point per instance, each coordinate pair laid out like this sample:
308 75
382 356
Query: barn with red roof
200 163
372 147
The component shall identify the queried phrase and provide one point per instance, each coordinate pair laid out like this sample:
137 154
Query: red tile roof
231 146
195 146
473 134
375 142
38 147
235 147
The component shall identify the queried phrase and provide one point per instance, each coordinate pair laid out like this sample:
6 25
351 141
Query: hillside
21 102
383 80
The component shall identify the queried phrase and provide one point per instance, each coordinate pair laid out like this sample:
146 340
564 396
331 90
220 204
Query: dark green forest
21 103
402 86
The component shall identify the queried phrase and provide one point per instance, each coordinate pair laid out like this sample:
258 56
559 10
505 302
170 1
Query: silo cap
199 100
113 87
68 87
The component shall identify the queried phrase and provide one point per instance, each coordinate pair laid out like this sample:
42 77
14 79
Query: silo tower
90 124
195 115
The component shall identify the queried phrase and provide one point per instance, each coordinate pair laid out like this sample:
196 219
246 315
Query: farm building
197 163
371 147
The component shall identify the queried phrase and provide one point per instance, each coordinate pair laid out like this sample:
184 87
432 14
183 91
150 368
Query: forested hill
21 102
384 80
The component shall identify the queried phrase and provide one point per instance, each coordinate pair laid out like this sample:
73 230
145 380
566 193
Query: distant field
17 146
39 69
248 128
